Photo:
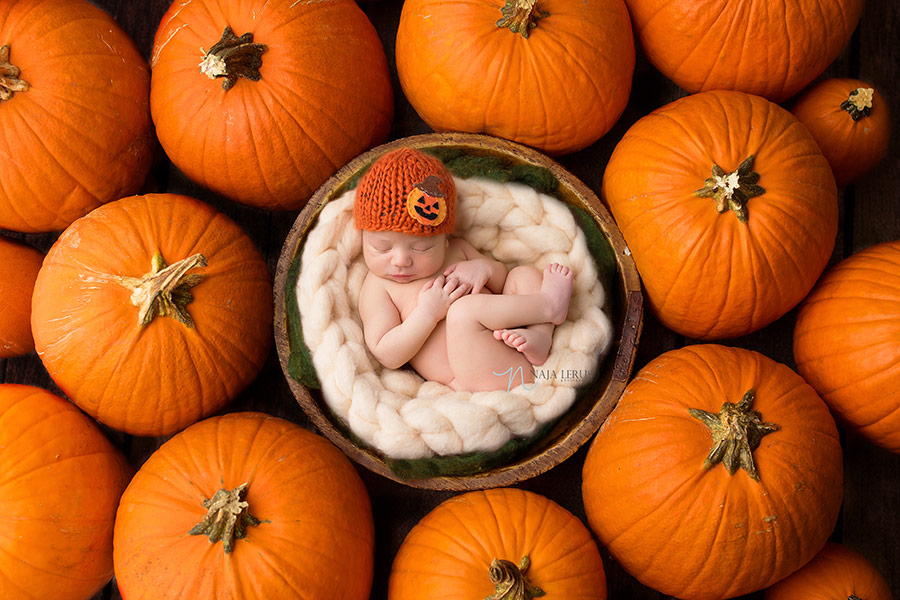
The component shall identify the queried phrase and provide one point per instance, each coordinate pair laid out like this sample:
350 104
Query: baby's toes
558 269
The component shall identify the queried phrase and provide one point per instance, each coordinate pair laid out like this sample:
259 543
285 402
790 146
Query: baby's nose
401 259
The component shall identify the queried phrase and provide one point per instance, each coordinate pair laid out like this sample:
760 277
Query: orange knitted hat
406 191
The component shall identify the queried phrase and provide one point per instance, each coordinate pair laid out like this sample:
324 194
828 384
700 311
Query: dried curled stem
732 190
227 517
9 76
859 103
520 16
736 431
510 582
233 57
165 290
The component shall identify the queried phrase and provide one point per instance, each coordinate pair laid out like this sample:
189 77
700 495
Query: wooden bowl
588 411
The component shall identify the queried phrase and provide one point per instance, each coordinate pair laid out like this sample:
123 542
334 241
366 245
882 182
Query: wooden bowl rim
625 345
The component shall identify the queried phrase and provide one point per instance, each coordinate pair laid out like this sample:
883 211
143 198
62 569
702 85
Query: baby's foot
557 287
533 343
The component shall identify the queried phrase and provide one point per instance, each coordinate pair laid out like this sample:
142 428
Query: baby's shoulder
460 246
457 242
373 287
374 298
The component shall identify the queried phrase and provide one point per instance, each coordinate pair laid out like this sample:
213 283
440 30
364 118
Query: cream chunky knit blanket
394 410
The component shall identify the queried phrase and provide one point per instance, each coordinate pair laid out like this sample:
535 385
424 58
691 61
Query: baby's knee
463 309
523 279
527 272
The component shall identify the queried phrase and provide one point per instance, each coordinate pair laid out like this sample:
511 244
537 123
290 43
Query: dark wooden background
870 214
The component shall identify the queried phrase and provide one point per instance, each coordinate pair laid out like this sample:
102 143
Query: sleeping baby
432 300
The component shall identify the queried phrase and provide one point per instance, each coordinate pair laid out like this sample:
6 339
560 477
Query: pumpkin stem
859 103
232 57
227 517
9 76
520 16
853 597
736 431
509 581
732 190
165 290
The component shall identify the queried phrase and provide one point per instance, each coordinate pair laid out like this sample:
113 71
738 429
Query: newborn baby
432 300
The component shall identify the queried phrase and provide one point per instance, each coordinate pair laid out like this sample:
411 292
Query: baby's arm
478 270
394 341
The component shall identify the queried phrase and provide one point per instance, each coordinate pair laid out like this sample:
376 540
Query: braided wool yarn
394 410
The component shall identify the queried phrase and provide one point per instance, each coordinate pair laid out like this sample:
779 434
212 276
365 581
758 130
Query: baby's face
402 257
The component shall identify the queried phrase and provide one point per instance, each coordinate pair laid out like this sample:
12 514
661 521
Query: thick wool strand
395 411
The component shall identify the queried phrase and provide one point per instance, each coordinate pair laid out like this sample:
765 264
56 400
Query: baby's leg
549 304
532 341
477 361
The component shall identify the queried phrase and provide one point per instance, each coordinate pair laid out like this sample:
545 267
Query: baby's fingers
451 284
450 269
459 292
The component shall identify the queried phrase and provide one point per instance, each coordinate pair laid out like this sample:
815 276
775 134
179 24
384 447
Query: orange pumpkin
756 47
19 265
729 209
286 93
152 312
74 111
60 483
552 74
851 123
845 342
245 506
718 473
836 573
503 541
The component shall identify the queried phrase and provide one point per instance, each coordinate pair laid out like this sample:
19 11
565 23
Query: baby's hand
437 295
475 272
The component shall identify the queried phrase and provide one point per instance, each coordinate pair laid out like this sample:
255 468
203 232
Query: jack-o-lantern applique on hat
426 203
406 191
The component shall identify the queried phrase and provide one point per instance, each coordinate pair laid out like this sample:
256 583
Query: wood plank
871 499
876 217
870 519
